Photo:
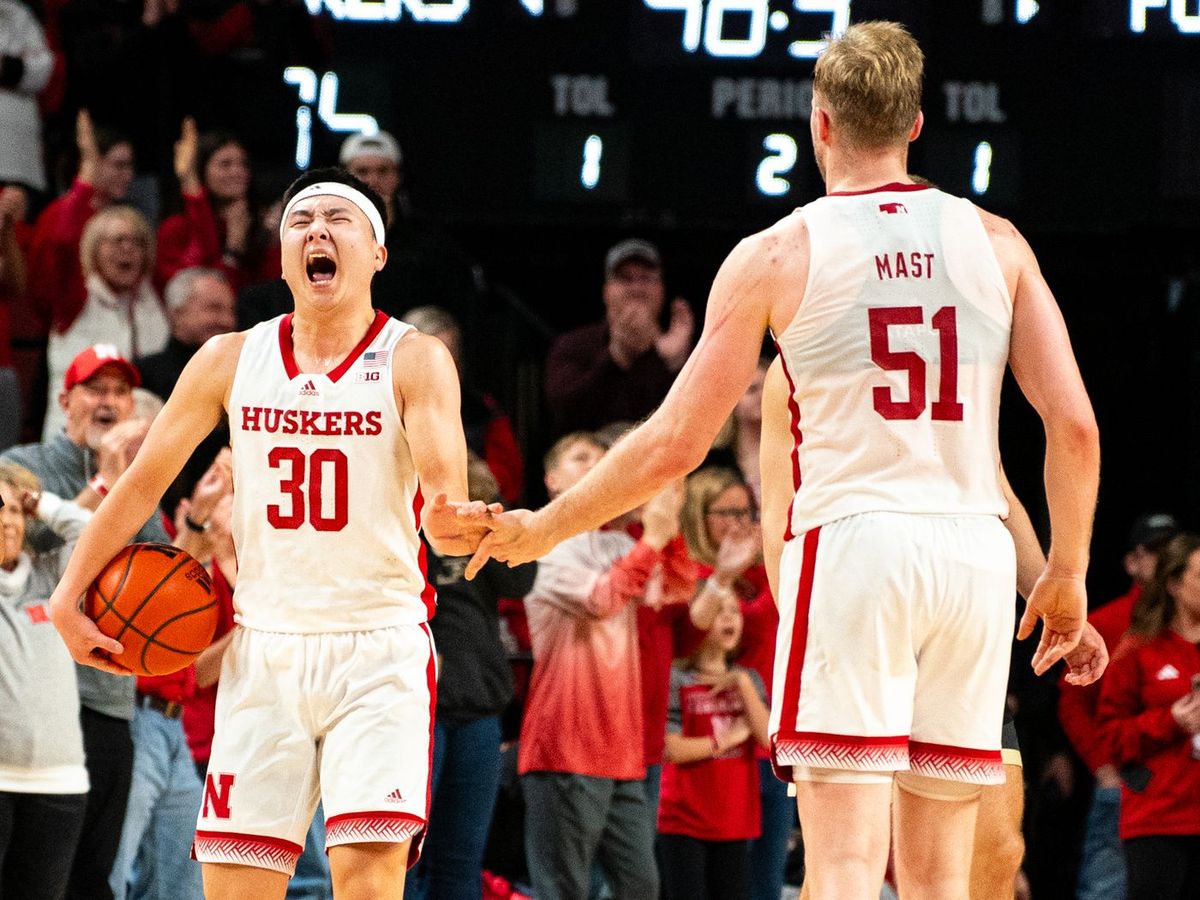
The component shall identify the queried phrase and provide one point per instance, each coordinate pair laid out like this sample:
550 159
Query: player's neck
847 172
322 338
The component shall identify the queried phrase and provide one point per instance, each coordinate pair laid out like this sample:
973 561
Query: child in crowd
709 809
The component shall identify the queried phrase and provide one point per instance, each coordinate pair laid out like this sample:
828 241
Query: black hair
108 137
340 176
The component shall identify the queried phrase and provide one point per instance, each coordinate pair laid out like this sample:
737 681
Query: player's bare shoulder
421 364
772 265
1012 250
210 371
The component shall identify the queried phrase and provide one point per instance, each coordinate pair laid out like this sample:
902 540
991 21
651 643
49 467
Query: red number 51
946 407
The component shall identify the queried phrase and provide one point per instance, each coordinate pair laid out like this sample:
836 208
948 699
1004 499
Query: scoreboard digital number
697 110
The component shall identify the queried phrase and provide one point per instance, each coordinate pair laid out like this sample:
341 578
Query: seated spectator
474 688
200 305
423 261
12 290
43 782
710 789
1102 867
621 367
219 227
488 429
120 308
581 754
26 64
1150 719
56 282
96 445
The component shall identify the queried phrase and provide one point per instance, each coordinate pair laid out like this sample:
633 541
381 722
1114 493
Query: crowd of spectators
615 690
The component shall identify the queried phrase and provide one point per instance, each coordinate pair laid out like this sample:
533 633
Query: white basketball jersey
326 501
896 358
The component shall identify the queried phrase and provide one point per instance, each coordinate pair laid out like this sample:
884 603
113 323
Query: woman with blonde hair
121 308
43 782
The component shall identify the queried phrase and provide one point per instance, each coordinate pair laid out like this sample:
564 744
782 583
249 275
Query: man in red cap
81 462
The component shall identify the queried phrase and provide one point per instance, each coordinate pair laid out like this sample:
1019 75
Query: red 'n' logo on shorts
218 797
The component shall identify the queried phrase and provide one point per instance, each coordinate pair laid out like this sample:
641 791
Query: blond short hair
565 443
869 79
98 226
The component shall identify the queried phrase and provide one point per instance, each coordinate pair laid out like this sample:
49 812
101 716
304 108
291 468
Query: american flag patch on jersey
375 359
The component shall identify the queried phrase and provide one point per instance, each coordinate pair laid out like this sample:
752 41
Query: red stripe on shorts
429 592
956 763
790 707
373 826
431 680
797 439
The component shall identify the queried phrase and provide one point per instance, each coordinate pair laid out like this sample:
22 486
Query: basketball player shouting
341 417
896 308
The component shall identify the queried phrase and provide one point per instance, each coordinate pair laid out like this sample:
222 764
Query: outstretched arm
1044 365
191 413
757 281
427 391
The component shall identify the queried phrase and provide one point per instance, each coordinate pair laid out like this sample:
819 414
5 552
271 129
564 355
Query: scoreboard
1081 115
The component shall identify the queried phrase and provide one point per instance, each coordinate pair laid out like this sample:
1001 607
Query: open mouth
320 268
105 417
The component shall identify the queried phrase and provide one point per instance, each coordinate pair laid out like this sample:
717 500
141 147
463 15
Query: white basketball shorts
345 717
893 647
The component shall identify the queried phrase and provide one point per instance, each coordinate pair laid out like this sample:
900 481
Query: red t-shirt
1137 691
712 799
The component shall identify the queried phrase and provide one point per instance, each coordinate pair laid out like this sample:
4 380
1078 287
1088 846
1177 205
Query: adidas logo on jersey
1167 673
395 797
309 389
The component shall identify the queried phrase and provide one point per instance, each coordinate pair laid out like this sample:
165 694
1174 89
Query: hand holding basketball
157 601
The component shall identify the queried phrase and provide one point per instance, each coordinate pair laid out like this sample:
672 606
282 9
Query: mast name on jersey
916 264
303 421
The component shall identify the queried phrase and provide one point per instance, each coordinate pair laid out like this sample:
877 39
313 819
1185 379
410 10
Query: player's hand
1087 662
1060 601
517 536
186 151
85 642
455 529
674 344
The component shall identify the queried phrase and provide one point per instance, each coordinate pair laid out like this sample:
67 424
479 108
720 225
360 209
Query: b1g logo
367 376
217 793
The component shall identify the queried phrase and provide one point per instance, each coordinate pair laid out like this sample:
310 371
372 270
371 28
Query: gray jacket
41 742
64 469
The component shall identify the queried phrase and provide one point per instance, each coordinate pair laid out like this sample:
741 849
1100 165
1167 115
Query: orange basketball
158 602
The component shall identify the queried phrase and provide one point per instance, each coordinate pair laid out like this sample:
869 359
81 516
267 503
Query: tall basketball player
341 418
896 308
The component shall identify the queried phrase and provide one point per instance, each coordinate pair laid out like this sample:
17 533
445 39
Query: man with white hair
343 422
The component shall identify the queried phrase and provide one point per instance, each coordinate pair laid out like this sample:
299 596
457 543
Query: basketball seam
138 548
152 638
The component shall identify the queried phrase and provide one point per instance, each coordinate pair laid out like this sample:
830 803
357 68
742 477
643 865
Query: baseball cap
379 144
632 248
1152 530
93 359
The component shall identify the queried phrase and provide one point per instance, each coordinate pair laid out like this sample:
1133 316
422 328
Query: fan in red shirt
1102 867
219 227
709 810
1150 718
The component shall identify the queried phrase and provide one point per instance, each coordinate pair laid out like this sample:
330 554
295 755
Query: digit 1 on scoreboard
593 150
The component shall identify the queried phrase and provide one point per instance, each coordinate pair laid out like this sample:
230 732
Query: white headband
337 189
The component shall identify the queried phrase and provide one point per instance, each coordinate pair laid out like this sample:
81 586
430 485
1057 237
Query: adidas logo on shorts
309 389
395 797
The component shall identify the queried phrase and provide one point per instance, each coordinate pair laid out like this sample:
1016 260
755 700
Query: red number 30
946 407
293 487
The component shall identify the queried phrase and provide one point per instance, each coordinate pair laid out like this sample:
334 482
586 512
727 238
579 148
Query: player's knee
937 788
